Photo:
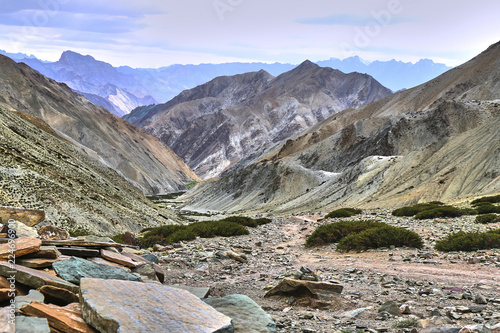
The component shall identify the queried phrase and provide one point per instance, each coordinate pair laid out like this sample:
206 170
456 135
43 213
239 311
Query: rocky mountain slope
139 157
215 125
121 89
437 141
40 169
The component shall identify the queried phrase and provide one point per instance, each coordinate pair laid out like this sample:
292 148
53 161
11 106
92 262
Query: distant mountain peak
71 56
307 64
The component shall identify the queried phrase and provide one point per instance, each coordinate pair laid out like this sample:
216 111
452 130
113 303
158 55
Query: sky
156 33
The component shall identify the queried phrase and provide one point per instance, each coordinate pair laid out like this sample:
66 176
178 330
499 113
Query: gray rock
74 269
480 299
247 316
127 306
390 307
33 296
353 313
31 325
146 270
200 292
22 230
150 257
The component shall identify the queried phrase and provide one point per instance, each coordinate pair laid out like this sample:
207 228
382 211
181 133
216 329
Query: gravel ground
434 289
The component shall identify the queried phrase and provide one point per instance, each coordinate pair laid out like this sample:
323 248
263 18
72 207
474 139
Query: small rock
480 299
390 307
58 296
33 296
49 232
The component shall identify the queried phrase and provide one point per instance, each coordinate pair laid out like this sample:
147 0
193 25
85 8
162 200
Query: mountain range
215 125
121 89
437 141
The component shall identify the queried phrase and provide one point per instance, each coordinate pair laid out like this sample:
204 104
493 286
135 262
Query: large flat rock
130 307
74 269
20 247
247 316
292 287
34 278
118 258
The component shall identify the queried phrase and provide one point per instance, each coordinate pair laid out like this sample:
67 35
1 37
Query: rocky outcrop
30 217
142 159
216 124
437 141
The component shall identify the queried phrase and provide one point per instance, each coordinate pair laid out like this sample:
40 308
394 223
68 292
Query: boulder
60 319
35 278
390 307
303 288
21 229
74 269
29 217
20 247
150 257
144 307
50 232
246 315
31 325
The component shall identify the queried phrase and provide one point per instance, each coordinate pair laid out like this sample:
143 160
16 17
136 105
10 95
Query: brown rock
58 296
100 260
50 232
48 252
160 273
79 252
30 217
59 318
118 258
235 256
145 307
35 262
22 246
4 294
303 288
4 283
34 278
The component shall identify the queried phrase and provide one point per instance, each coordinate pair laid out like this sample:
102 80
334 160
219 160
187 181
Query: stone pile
55 283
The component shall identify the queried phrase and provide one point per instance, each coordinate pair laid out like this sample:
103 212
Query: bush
247 221
406 323
380 237
209 229
343 212
487 208
469 211
78 233
334 232
492 199
415 209
126 238
487 218
442 211
469 241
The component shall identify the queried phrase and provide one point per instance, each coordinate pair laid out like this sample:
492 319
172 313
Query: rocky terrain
437 141
139 157
382 290
215 125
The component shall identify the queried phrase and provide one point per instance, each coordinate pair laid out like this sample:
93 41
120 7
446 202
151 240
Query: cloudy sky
155 33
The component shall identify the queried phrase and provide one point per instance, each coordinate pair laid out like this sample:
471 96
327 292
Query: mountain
215 125
395 75
121 89
437 141
17 56
41 169
139 157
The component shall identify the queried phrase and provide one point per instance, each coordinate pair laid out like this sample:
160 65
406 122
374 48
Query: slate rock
200 292
35 262
150 257
46 252
58 296
61 319
480 299
35 278
247 316
31 325
301 288
118 258
80 252
74 269
21 229
353 313
147 308
33 296
21 247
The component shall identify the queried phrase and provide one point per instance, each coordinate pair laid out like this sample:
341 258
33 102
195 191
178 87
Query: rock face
216 124
30 217
247 316
437 141
147 308
142 159
74 269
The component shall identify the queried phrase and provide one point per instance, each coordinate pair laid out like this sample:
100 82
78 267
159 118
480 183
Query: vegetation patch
380 237
334 232
406 323
125 238
487 208
469 241
487 218
415 209
343 212
439 212
168 234
78 233
492 199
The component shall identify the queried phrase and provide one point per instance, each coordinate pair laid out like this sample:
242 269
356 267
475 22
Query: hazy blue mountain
121 89
17 56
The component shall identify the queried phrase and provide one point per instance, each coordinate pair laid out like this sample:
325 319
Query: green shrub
181 235
380 237
415 209
406 323
469 241
487 218
78 233
343 212
442 211
209 229
469 211
487 208
334 232
125 238
492 199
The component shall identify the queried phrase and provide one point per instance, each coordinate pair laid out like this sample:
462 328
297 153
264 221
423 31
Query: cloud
355 20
